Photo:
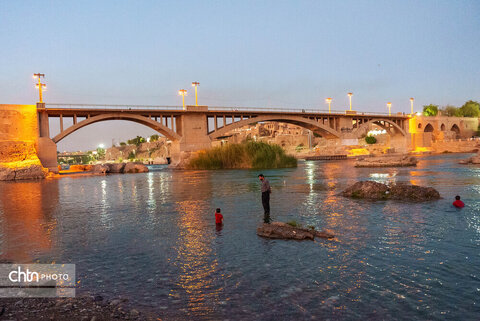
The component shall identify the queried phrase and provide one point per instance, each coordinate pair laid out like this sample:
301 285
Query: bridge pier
193 129
47 149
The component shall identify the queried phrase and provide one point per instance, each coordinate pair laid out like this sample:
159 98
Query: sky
290 54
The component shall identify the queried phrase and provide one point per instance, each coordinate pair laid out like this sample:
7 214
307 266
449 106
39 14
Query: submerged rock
279 230
387 161
378 191
472 160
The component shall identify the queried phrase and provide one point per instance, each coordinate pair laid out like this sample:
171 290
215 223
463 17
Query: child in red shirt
218 217
458 203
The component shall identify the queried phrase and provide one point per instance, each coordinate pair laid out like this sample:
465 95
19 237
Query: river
152 238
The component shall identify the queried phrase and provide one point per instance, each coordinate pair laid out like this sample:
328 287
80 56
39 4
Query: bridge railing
220 109
107 107
299 110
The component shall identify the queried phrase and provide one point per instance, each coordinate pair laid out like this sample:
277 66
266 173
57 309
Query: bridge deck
89 110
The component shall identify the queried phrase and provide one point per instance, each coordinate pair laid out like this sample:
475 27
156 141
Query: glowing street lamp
350 99
411 104
329 102
183 92
196 84
389 105
41 87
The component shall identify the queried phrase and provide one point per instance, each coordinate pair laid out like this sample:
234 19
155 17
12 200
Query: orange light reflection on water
26 230
195 255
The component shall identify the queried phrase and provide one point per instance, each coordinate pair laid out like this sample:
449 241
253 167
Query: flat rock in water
387 161
279 230
379 191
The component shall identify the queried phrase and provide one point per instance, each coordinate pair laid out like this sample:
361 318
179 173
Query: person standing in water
218 217
458 203
266 190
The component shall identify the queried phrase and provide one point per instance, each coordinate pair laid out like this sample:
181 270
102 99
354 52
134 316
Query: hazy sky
244 53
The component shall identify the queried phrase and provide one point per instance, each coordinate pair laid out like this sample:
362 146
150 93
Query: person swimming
458 203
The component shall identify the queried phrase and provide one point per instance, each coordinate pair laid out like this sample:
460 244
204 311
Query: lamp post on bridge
329 102
350 99
389 105
196 84
41 87
183 92
411 105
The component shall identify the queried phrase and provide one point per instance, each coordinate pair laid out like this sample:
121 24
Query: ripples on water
152 237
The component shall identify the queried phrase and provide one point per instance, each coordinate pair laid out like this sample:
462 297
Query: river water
152 238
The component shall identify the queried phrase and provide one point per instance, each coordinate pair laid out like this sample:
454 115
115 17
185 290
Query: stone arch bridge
197 127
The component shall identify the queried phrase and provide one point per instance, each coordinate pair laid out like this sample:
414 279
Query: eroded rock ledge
378 191
387 161
280 230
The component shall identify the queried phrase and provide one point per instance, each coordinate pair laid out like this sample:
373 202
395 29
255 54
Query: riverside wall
19 143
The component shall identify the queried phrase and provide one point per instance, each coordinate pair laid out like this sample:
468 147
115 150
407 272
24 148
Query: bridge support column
194 130
47 149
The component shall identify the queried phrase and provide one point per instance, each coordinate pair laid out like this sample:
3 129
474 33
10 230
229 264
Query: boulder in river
99 169
387 161
115 167
280 230
135 168
378 191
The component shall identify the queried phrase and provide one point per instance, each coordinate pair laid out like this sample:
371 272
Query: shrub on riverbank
244 155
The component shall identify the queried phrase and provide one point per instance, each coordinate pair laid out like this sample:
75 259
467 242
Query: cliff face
18 141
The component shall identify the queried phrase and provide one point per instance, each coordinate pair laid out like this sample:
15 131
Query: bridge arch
363 128
307 123
167 132
428 128
456 129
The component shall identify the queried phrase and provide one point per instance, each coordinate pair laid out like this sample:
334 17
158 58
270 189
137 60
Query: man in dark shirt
266 190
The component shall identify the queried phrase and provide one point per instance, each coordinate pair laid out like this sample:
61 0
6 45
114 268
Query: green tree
100 153
123 144
86 159
154 138
470 109
370 140
136 141
430 110
450 111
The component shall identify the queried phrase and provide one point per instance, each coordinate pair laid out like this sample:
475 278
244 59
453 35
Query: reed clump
244 155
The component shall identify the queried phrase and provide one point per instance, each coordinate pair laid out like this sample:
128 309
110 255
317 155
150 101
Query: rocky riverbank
378 191
280 230
108 168
386 161
81 308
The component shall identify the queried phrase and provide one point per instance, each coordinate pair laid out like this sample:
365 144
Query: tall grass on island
245 155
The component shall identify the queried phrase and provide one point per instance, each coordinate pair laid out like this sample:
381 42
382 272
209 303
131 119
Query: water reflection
389 260
27 219
195 255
